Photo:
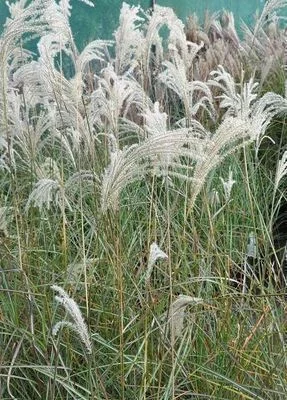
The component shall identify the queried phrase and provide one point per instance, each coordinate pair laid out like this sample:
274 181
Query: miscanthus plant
108 150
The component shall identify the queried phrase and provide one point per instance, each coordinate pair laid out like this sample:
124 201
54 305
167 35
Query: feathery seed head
176 313
227 185
155 253
78 325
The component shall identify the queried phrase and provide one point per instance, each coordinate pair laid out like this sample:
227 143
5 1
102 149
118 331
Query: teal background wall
100 22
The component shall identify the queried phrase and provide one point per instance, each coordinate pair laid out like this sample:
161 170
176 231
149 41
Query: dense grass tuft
137 183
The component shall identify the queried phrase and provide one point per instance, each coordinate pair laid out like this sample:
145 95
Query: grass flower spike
154 254
227 185
281 170
78 325
177 313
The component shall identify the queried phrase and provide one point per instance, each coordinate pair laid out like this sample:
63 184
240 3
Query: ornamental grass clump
130 142
193 151
123 115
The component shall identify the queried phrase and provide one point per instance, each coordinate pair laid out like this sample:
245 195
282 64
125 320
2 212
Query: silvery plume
227 185
281 170
155 253
78 325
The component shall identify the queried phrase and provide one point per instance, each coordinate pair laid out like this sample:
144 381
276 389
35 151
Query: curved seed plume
176 313
78 325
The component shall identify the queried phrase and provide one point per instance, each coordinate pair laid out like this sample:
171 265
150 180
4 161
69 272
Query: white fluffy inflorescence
155 253
78 325
146 101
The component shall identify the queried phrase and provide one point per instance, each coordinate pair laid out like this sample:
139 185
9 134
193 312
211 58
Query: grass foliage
137 207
